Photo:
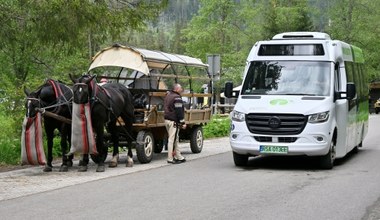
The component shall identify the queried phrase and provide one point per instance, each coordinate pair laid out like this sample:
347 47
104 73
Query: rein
94 98
59 95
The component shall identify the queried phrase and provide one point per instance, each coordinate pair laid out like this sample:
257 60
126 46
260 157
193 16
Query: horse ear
91 78
26 91
72 78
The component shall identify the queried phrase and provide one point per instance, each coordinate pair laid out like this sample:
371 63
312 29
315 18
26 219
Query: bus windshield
308 78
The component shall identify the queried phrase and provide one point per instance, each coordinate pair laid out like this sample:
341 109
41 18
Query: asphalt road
205 187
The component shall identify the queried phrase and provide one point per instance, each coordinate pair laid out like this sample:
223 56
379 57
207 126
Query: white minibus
302 94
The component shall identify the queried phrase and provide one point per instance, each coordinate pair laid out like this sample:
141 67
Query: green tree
285 16
355 22
51 38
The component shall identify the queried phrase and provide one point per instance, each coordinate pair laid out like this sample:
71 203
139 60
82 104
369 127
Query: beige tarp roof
140 59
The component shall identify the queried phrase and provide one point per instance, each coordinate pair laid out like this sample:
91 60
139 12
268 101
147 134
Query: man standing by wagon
174 120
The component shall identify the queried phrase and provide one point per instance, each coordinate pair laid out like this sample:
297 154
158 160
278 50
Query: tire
144 146
356 148
196 139
159 146
240 160
327 161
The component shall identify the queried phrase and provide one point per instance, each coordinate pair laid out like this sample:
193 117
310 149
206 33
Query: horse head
33 102
83 88
47 95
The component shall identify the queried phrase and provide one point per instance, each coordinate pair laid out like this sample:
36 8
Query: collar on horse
94 98
59 95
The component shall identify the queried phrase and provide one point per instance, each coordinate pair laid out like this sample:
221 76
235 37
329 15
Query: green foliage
218 127
354 21
52 38
9 140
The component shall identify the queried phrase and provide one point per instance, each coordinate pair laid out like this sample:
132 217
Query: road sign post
213 61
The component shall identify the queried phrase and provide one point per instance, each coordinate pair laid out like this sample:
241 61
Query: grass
219 126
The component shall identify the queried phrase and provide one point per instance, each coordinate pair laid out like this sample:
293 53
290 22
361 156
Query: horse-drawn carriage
149 75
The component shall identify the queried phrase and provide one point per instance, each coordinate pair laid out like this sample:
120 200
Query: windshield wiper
304 94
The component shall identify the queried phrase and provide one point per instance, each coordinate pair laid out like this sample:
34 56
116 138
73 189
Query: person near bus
174 120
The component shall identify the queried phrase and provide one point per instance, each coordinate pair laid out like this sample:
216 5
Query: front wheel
240 160
144 146
196 139
327 161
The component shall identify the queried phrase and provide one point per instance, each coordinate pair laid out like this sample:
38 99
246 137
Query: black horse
54 97
107 104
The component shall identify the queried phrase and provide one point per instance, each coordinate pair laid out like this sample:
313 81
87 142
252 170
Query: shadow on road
295 162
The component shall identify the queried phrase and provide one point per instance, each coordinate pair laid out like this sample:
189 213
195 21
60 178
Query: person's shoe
180 161
173 161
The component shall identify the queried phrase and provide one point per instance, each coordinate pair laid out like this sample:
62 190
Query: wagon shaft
52 115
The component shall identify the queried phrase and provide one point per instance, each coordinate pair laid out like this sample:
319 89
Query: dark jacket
173 106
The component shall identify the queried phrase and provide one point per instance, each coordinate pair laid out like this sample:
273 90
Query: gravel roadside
18 181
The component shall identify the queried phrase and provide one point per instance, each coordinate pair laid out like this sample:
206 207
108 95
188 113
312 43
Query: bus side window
336 78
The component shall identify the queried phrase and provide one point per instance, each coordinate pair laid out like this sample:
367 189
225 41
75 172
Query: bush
219 126
9 141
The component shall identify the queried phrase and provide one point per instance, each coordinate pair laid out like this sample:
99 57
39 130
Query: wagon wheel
196 139
144 146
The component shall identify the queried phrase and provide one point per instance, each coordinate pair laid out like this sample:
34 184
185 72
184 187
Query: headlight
237 116
319 117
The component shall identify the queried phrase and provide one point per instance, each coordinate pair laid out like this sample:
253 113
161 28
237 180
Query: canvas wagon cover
139 59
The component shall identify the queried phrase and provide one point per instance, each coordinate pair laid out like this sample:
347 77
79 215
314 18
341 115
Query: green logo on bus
278 102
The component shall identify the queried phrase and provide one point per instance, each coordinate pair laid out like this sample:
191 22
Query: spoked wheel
196 140
144 146
327 161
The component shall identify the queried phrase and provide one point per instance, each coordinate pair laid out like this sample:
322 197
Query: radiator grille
275 140
276 124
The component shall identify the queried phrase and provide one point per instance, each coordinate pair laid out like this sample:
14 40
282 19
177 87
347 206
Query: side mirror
351 91
228 89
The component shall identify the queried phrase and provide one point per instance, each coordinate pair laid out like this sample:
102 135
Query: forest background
42 39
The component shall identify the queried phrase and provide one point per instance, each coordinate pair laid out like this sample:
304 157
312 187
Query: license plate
273 149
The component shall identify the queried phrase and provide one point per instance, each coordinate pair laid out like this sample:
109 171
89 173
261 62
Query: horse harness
59 95
94 99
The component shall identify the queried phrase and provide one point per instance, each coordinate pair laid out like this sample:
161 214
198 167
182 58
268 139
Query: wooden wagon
149 75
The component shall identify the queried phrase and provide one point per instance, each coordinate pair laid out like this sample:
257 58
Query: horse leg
100 147
70 158
64 166
50 135
83 163
130 156
115 140
128 126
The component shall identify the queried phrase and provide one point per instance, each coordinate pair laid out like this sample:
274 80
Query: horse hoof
82 163
48 169
112 164
82 169
114 160
70 163
64 168
129 162
100 168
